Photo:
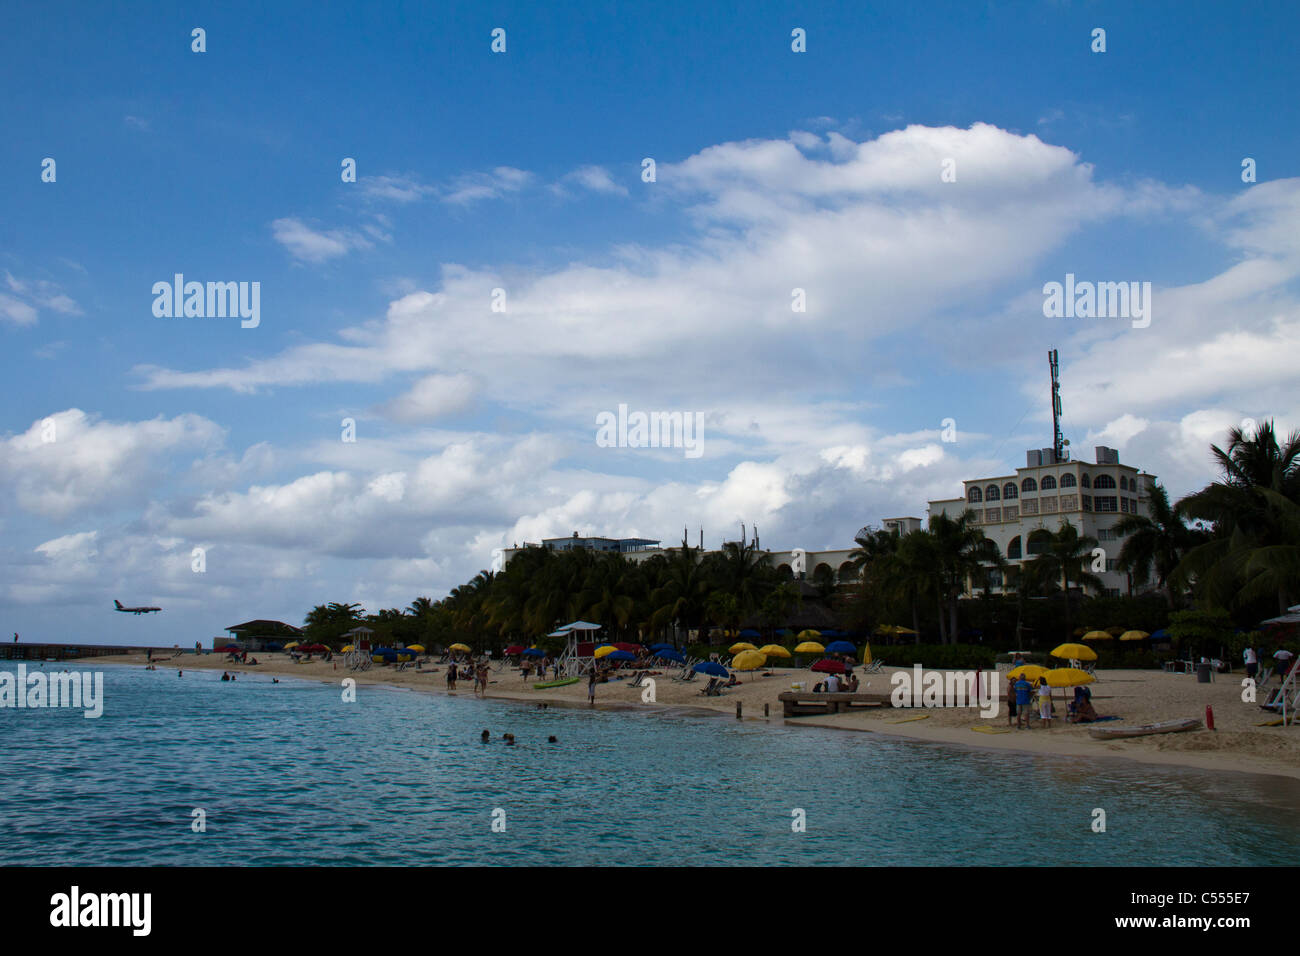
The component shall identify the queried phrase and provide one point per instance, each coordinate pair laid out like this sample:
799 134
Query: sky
436 340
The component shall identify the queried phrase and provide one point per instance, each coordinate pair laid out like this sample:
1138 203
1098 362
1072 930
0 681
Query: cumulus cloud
72 461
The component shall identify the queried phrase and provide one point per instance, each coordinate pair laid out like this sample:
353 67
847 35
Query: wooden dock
32 651
806 703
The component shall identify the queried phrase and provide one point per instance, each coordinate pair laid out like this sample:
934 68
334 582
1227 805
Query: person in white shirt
833 684
1252 662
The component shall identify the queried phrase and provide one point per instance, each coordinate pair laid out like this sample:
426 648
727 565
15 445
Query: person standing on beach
591 685
451 677
1024 699
1045 703
1252 661
1011 699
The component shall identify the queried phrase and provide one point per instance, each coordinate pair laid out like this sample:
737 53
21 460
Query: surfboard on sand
556 683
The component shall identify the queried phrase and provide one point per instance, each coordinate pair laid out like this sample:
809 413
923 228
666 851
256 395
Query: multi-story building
1017 511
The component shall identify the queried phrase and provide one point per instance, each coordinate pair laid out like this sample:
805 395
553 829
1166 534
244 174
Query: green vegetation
1218 561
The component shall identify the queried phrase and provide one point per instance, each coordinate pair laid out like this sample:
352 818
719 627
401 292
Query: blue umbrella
750 632
668 654
620 656
840 647
1160 635
712 668
831 632
535 652
662 647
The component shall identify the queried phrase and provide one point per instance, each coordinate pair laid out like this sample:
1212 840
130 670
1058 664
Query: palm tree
1244 518
961 550
910 575
1156 543
1063 561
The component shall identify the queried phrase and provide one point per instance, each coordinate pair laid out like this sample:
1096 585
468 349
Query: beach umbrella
630 648
748 661
1160 635
605 650
828 666
711 668
1098 636
459 647
809 647
894 629
809 634
347 648
668 654
1075 652
535 652
1134 636
291 645
418 648
774 650
514 649
1027 671
662 647
1067 677
741 646
840 647
618 655
750 632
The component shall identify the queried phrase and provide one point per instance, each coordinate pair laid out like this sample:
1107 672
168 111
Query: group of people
477 671
835 684
1024 695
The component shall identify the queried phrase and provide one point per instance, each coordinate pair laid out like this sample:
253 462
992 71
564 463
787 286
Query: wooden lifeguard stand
359 657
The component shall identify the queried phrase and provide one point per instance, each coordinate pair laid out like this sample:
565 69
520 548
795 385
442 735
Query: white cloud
310 245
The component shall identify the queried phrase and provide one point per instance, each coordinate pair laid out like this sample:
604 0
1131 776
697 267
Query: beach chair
873 666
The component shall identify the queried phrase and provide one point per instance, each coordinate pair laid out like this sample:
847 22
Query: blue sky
521 171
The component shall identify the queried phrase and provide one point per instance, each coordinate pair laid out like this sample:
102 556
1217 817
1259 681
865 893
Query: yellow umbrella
605 650
349 647
459 647
741 646
1028 672
291 645
808 635
1134 636
415 647
894 629
1098 636
748 661
1075 652
809 647
774 650
1067 677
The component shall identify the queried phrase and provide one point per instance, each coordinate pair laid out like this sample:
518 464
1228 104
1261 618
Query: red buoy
1209 716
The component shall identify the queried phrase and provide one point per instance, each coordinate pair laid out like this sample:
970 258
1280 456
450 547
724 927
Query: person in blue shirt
1024 697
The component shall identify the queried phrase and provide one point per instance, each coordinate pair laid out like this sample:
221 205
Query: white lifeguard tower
577 648
359 657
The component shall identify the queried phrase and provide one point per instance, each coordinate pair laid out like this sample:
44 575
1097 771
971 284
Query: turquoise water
290 774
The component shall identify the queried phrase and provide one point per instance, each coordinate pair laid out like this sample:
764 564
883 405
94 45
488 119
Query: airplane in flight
134 610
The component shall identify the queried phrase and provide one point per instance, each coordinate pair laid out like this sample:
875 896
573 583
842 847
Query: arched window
1009 491
1085 480
1104 481
1067 480
1049 483
1028 485
1039 541
991 493
1013 549
1123 482
974 494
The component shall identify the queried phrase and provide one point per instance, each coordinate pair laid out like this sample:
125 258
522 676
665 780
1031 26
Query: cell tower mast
1058 440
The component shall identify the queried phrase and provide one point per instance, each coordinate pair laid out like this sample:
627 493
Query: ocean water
290 774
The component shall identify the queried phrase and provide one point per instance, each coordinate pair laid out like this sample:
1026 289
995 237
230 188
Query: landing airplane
134 610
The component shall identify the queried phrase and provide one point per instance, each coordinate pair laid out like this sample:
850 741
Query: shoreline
1238 746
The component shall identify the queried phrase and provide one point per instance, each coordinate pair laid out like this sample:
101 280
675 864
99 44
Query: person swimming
552 739
485 736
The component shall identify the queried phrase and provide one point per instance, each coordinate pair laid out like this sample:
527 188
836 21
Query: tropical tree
1156 543
1066 558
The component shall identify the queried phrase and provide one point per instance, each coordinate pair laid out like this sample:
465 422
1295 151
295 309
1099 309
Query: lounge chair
873 666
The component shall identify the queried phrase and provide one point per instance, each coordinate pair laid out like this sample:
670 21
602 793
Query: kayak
1164 727
557 683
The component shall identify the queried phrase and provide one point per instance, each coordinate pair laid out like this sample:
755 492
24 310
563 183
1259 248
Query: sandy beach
1237 744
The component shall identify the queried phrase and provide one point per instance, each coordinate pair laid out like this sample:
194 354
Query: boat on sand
1145 730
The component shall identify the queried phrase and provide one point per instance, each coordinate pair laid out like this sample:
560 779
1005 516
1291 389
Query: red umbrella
313 648
514 649
828 666
630 648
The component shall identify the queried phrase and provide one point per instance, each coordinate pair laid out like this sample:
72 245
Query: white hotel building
1009 509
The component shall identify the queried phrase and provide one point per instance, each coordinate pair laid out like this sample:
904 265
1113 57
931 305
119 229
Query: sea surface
289 774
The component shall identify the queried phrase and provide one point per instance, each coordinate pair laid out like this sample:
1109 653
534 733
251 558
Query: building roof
264 627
